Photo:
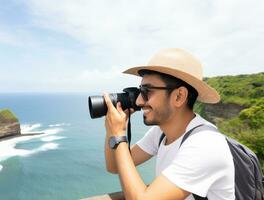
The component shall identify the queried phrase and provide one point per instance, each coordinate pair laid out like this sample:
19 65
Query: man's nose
140 101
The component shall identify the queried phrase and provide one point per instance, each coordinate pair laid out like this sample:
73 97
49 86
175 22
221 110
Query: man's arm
138 156
133 186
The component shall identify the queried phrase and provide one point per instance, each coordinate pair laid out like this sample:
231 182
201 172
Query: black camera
98 107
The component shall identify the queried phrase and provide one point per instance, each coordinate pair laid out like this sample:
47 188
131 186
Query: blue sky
84 45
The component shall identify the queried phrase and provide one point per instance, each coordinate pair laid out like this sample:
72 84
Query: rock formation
9 124
220 111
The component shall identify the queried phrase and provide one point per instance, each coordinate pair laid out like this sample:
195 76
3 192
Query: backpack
249 180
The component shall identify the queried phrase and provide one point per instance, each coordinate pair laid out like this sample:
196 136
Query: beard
157 116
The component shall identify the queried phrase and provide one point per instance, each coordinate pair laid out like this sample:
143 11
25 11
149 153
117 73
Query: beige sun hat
182 65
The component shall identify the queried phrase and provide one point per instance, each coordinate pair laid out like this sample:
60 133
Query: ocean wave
7 147
10 151
52 131
46 147
29 127
32 128
59 125
1 167
51 138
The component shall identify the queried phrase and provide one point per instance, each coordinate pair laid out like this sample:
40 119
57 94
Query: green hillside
247 126
7 116
241 89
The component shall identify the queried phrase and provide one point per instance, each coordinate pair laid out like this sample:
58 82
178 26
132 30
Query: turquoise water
67 162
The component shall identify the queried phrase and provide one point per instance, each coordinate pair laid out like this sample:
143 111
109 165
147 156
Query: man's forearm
115 123
109 157
131 182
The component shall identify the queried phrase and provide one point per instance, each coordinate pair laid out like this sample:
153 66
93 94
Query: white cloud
227 35
95 81
7 38
136 29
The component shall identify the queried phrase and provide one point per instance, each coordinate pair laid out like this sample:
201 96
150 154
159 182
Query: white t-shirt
203 165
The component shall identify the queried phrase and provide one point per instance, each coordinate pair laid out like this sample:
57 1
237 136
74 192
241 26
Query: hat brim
206 94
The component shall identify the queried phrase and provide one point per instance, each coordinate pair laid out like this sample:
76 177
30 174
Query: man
202 165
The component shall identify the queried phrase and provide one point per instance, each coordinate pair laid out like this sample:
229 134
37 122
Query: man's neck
175 127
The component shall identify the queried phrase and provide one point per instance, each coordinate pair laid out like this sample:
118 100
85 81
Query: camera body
98 107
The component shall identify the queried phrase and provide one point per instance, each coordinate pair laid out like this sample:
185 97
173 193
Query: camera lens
98 107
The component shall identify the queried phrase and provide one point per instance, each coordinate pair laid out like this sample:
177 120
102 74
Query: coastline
21 135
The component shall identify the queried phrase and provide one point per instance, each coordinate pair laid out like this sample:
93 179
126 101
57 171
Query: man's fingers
119 107
108 101
110 105
131 111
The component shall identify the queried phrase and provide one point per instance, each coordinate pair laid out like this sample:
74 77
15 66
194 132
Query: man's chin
148 122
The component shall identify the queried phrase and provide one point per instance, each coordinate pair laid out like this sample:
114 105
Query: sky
84 45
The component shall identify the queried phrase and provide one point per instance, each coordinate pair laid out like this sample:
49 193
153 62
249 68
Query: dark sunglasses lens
144 92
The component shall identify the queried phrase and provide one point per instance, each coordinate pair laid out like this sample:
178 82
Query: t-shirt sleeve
199 164
149 143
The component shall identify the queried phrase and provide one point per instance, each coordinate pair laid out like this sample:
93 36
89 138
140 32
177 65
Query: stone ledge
111 196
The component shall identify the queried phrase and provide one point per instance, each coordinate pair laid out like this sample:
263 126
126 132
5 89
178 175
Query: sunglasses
145 89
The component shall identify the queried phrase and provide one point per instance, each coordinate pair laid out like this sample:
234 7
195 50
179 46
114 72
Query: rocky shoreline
9 125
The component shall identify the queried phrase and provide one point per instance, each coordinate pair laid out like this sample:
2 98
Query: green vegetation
241 89
7 116
248 126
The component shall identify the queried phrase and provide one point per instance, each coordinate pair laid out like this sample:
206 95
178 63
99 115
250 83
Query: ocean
67 162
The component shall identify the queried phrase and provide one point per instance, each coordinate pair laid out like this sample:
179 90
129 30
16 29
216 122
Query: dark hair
174 82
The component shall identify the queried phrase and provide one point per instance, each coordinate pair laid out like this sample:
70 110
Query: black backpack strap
194 130
191 132
161 138
263 187
196 197
186 135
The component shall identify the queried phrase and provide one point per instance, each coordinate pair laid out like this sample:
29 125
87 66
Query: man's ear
179 96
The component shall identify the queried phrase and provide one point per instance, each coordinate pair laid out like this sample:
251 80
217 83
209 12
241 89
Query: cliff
240 114
9 124
221 111
239 94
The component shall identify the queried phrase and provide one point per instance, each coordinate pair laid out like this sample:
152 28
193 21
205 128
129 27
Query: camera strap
129 130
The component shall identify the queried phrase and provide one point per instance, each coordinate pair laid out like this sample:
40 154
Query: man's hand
132 184
115 119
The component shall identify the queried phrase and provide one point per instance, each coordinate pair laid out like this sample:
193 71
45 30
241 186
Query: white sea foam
51 138
7 147
8 150
47 146
1 167
29 127
59 124
52 131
